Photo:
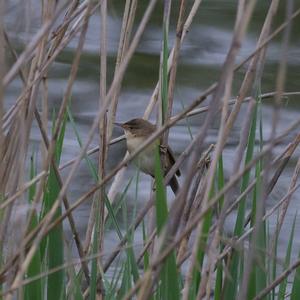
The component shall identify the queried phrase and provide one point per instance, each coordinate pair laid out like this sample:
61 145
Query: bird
137 131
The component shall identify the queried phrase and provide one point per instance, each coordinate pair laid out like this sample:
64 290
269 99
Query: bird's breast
146 159
133 143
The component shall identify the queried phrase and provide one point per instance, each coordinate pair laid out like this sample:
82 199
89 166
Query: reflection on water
202 55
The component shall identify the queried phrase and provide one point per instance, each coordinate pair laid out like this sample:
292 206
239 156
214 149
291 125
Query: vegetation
187 254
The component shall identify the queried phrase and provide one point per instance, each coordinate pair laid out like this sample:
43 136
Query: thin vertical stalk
103 123
126 31
99 199
163 69
2 135
173 72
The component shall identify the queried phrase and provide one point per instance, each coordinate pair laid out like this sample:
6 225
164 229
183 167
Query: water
201 59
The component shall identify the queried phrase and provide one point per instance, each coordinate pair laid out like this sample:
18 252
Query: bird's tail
174 184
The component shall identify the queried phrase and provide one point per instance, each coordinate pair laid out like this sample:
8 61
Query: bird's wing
167 150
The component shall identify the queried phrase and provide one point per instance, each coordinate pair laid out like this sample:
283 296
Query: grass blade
231 285
54 243
169 274
34 289
283 284
296 284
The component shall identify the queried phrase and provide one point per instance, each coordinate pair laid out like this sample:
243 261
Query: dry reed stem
100 197
47 15
103 124
160 113
147 245
2 134
174 63
44 114
27 116
126 31
281 75
2 70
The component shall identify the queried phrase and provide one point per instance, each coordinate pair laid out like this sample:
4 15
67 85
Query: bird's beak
118 124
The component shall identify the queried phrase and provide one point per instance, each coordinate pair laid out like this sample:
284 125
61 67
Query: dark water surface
203 53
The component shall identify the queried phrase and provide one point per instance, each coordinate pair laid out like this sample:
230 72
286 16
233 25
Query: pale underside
146 159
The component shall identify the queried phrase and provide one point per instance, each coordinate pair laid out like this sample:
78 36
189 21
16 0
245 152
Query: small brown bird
136 132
